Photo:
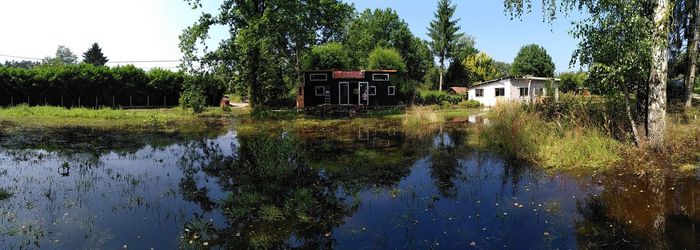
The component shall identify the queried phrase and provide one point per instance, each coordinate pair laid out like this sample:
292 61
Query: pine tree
94 56
444 33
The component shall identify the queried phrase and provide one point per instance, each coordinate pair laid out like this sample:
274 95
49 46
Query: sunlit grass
150 119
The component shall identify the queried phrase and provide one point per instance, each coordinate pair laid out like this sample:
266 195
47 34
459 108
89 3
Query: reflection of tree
272 195
642 212
445 166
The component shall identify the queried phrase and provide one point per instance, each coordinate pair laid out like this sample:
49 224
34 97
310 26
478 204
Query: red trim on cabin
348 74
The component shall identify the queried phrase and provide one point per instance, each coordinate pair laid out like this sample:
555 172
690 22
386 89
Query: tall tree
63 56
94 56
384 28
266 43
327 56
656 22
444 33
533 60
693 31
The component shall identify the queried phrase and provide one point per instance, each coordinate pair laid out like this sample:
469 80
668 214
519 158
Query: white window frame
476 92
391 90
374 77
325 77
371 89
536 90
322 88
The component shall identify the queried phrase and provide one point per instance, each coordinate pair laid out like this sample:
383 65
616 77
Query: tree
480 67
503 68
263 53
384 58
533 59
94 56
456 74
693 34
384 28
327 56
650 16
444 33
571 81
24 64
63 56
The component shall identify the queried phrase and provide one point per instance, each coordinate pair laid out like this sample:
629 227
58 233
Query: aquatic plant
4 194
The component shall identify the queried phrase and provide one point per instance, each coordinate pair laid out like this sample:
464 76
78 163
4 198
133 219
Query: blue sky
132 30
496 34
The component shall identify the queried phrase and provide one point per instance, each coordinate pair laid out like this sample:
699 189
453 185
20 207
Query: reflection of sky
418 217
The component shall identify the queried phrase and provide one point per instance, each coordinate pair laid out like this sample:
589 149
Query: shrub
193 98
469 104
434 97
383 58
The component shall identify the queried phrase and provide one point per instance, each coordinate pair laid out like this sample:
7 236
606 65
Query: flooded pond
345 185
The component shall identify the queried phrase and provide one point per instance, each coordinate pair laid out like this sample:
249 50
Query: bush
327 56
193 98
434 97
470 104
383 58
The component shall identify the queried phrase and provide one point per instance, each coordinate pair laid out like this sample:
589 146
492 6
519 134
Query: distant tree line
64 84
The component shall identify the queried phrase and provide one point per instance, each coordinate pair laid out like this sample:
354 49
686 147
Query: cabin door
363 93
343 93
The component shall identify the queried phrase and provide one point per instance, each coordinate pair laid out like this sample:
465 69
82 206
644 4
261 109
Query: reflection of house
526 88
462 91
367 87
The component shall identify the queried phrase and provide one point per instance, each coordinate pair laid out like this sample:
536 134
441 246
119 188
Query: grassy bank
106 118
582 137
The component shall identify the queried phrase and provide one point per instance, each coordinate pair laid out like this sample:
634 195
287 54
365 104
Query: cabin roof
517 78
459 90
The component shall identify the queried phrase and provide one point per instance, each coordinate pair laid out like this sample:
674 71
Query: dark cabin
336 87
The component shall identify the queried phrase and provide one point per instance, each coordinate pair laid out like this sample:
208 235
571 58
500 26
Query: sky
146 30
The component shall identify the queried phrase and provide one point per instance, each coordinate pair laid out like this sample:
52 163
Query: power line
124 61
21 57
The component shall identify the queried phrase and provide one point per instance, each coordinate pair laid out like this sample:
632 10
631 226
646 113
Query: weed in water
4 194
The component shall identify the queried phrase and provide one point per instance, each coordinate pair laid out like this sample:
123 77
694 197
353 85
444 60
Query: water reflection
354 185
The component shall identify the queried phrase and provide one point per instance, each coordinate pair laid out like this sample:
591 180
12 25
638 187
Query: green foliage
435 97
94 56
456 75
266 42
503 69
193 97
327 56
63 56
4 194
384 28
480 67
383 58
571 81
533 60
444 31
469 104
24 64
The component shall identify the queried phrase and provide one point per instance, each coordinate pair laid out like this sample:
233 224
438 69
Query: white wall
512 89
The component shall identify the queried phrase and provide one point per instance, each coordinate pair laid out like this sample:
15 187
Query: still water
347 185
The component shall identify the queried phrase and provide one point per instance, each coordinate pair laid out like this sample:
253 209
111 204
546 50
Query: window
500 92
479 92
392 90
320 91
318 77
372 90
523 91
539 91
380 77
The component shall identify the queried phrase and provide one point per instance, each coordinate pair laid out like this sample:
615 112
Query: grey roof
520 78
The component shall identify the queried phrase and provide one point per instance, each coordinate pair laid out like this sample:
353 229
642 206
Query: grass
520 135
579 142
142 119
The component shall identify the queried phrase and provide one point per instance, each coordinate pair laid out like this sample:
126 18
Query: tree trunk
442 72
630 118
656 115
694 29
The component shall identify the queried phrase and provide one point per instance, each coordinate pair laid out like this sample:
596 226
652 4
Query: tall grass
518 134
420 121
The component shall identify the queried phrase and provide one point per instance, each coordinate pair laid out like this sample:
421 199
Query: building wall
489 98
512 90
381 98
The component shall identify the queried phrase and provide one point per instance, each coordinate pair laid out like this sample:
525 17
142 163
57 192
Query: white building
524 89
